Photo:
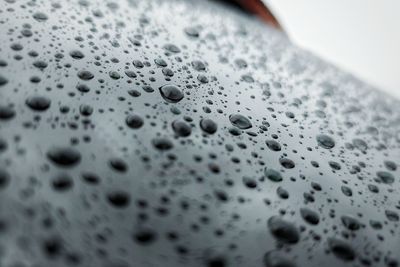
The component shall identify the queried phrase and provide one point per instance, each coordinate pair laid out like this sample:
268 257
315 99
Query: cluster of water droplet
179 133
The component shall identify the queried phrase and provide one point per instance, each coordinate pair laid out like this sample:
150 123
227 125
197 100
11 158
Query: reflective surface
179 133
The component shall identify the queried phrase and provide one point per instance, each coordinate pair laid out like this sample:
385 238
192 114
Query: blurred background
360 36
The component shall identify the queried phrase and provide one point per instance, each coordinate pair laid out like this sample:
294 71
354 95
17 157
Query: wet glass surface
180 133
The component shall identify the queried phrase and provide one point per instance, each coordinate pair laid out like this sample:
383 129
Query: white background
360 36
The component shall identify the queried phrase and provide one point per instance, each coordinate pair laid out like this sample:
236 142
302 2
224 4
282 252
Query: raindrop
85 75
145 236
346 191
118 198
40 16
385 177
181 128
350 222
171 93
162 143
276 259
3 80
208 126
38 103
341 249
64 156
273 145
273 175
134 121
4 178
6 112
392 215
76 54
309 216
325 141
172 48
118 165
287 163
284 231
62 183
240 121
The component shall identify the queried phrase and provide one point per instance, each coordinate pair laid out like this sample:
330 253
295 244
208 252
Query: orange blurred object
258 8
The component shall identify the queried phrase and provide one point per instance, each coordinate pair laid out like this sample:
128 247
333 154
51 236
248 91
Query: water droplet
287 163
172 48
309 216
385 177
273 175
134 121
181 128
284 231
341 249
40 16
160 62
346 191
276 259
208 125
83 88
118 165
273 145
91 178
118 198
198 65
6 113
249 182
4 178
40 64
325 141
171 93
38 103
390 165
350 222
64 156
62 183
145 236
162 143
392 215
240 121
86 110
3 80
76 54
85 75
192 32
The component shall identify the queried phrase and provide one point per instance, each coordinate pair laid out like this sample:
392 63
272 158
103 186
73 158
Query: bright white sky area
360 36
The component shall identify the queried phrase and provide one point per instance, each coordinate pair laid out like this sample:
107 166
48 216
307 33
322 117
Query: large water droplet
276 259
273 175
385 177
240 121
181 128
118 198
3 80
309 216
350 222
134 121
64 156
341 249
208 125
85 75
273 145
162 143
284 231
325 141
171 93
38 103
